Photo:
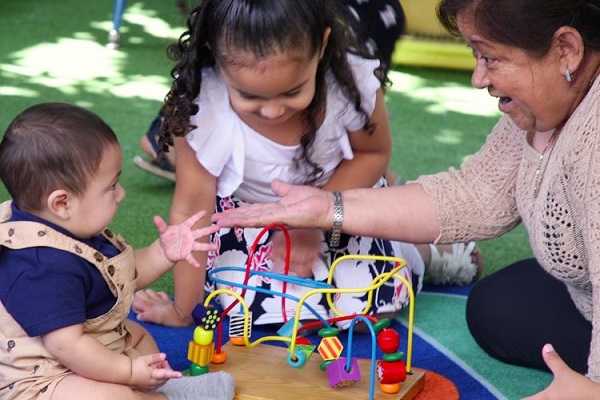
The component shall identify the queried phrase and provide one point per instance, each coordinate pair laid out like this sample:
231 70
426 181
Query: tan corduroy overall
27 370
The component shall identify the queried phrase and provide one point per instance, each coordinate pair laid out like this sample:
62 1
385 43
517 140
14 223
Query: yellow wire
376 283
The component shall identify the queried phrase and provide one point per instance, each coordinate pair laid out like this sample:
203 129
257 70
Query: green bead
328 332
397 356
196 369
324 364
382 323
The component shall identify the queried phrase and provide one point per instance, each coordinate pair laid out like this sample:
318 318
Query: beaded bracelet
338 217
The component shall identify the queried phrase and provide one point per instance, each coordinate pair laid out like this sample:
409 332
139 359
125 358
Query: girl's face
93 210
270 91
530 90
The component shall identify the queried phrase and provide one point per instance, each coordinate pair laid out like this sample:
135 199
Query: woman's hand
567 384
179 241
304 251
299 207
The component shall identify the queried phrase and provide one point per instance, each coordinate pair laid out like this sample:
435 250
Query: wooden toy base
262 373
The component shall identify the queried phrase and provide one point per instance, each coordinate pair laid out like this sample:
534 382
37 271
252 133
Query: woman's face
531 90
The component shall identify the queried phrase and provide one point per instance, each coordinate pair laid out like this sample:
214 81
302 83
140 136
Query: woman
539 166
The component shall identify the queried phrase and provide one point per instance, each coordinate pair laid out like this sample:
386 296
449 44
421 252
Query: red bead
391 372
388 340
302 340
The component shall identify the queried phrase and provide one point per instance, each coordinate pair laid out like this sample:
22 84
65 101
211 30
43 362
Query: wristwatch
338 218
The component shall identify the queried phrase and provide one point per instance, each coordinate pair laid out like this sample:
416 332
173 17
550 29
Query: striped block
330 348
236 326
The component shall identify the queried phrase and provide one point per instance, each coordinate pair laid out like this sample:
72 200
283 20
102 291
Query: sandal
456 267
160 165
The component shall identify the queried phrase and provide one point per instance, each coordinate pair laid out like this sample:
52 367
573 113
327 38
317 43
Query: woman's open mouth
504 104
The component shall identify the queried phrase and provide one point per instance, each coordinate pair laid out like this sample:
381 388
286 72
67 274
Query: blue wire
373 350
267 291
296 280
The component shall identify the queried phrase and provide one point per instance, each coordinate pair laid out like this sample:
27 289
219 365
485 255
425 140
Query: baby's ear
58 203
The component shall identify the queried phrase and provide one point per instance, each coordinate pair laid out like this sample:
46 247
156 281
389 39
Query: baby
67 282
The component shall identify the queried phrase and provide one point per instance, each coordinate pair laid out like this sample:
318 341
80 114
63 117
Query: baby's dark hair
526 24
51 146
218 28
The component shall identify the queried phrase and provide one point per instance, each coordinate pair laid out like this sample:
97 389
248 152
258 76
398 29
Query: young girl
66 282
266 90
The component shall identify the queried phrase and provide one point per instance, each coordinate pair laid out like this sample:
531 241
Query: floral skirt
273 298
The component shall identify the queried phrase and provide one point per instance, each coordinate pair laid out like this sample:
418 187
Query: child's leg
72 387
211 386
142 341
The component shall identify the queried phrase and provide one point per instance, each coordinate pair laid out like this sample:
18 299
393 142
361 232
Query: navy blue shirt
45 289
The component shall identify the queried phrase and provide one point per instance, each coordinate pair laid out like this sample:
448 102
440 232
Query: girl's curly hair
219 28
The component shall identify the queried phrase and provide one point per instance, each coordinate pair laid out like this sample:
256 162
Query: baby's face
92 211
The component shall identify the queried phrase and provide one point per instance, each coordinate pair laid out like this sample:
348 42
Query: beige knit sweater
493 191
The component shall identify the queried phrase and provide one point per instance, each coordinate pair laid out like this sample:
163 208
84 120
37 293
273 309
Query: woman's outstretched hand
567 384
299 207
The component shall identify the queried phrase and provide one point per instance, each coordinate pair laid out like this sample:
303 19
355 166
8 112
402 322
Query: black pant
513 312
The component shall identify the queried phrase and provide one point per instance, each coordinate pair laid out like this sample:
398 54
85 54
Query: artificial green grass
55 51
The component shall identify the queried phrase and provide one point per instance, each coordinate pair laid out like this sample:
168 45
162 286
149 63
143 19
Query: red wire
334 320
247 277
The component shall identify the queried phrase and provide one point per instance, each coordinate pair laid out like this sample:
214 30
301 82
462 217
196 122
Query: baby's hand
151 372
305 249
179 241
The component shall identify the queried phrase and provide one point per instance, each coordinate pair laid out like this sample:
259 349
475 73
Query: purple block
339 377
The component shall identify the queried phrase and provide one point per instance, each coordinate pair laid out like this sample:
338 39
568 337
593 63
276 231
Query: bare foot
158 308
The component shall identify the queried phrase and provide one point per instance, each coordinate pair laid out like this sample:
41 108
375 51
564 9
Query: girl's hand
179 241
567 384
151 371
305 249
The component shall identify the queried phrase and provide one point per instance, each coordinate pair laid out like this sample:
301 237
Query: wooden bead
339 377
328 332
202 337
206 317
391 372
200 354
390 388
388 340
330 348
236 328
219 358
196 369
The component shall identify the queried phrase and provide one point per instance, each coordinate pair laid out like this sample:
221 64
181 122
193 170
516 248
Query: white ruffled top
245 162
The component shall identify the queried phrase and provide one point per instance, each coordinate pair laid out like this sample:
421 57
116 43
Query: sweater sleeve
581 173
477 201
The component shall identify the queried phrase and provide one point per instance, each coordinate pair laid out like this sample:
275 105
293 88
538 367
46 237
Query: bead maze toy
271 372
